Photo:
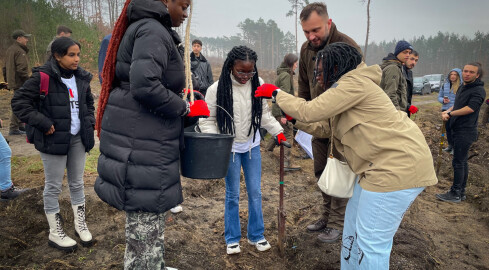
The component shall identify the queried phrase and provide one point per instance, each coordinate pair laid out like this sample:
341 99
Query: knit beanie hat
401 46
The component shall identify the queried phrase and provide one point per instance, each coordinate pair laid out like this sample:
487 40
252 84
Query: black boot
450 196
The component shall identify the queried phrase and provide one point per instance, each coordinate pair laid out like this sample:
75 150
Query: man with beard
408 73
320 31
464 115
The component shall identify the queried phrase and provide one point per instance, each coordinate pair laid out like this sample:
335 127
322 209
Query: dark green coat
285 82
17 65
393 82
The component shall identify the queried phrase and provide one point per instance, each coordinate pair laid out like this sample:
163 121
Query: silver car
436 81
421 86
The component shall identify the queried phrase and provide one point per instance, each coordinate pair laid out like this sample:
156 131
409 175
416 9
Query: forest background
90 20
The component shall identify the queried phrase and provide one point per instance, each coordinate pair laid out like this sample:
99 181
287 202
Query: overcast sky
390 19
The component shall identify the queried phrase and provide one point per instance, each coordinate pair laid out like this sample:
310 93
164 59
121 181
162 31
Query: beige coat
380 143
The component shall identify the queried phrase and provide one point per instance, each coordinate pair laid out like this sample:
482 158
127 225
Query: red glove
280 138
265 90
413 109
487 101
199 109
289 118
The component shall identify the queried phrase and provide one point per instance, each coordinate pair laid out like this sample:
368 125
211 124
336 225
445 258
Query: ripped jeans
371 221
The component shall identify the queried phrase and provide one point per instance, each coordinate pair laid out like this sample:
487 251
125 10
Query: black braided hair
337 59
225 92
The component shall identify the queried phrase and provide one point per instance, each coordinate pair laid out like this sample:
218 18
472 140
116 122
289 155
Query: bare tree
368 30
297 5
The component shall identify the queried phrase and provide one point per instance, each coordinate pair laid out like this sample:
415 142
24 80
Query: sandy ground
433 235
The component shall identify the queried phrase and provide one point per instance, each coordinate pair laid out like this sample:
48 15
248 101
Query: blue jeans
5 155
251 163
371 221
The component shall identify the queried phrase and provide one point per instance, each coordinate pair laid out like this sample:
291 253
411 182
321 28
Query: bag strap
331 120
44 87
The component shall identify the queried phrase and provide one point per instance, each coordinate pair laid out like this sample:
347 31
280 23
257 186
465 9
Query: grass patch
92 160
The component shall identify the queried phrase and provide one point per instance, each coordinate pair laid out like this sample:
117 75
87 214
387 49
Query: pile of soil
433 234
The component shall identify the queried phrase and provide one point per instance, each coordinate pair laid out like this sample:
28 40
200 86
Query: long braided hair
108 71
225 92
337 60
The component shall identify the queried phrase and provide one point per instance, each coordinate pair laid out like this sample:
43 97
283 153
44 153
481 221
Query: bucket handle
234 126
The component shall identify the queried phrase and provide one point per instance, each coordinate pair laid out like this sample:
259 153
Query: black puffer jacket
142 127
54 110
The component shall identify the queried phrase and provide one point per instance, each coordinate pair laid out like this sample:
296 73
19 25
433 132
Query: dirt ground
433 235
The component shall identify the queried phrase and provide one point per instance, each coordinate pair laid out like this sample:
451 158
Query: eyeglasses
246 74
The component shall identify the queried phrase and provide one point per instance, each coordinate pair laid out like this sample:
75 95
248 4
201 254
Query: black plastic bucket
206 155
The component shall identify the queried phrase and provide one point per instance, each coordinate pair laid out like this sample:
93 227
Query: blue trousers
251 163
371 221
5 155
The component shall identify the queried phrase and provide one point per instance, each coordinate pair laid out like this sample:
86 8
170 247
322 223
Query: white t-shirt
74 105
244 147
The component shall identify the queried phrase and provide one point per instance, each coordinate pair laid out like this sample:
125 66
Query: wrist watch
449 113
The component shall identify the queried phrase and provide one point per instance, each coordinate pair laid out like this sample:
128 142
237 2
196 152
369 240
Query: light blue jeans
251 163
371 221
5 155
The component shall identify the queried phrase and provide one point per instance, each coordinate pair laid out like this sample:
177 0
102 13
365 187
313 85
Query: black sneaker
449 196
12 193
16 132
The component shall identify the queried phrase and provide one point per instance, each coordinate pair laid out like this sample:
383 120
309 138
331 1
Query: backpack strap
44 87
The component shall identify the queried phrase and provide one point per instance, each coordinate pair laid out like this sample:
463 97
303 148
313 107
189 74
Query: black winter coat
55 110
142 126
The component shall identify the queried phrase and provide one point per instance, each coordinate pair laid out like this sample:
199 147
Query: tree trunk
368 32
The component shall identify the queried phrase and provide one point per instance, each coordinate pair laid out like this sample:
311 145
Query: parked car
421 86
436 80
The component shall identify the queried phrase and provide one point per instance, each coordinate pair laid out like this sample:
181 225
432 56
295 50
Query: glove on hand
265 90
413 109
487 101
280 138
199 109
288 117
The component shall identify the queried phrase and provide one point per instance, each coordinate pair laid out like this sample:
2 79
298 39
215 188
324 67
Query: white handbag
337 179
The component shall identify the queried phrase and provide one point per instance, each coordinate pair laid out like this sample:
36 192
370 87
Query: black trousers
462 140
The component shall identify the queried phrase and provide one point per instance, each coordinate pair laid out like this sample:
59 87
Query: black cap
19 33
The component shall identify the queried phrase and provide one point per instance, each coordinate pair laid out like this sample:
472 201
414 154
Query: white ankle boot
81 229
57 237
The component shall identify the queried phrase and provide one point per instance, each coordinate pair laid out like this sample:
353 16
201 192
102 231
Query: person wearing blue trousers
7 188
380 144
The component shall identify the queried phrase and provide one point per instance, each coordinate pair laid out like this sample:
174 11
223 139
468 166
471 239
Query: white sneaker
176 209
233 248
170 268
261 245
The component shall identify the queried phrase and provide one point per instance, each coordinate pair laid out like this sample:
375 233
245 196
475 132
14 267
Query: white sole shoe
233 248
176 209
261 245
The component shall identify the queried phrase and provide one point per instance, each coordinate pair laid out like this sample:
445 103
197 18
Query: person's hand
199 109
445 116
446 100
50 131
283 120
265 90
487 101
413 109
280 138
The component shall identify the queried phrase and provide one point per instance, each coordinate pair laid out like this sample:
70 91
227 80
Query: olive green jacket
285 82
393 82
380 143
17 65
